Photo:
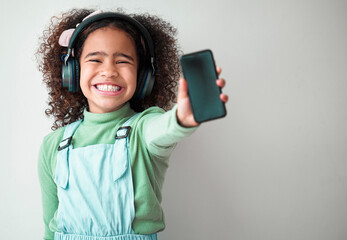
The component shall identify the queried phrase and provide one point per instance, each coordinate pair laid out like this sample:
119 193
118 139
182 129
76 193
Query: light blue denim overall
95 190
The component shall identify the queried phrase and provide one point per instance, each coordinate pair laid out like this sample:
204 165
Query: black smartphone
199 69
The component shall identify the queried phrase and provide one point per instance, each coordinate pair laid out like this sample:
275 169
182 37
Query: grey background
274 168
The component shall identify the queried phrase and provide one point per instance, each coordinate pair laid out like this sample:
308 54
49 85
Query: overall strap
68 133
130 119
124 130
62 167
121 148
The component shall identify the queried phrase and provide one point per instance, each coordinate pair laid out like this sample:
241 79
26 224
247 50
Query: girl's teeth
107 88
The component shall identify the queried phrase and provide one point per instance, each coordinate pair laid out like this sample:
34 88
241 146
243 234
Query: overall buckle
123 132
66 142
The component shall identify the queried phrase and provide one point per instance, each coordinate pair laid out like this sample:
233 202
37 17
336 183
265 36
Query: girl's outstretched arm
184 112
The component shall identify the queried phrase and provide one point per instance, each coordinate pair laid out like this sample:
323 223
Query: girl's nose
109 70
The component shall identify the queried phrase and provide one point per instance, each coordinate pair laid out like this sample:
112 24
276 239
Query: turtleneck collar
101 118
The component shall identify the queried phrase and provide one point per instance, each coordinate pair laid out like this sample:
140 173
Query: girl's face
108 71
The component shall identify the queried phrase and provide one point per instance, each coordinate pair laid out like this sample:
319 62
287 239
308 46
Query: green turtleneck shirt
153 136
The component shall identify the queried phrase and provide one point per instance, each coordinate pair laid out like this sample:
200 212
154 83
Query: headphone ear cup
145 82
67 75
149 83
139 84
70 75
76 75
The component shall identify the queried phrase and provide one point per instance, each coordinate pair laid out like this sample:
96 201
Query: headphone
71 69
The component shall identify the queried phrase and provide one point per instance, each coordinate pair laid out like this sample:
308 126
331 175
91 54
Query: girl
109 77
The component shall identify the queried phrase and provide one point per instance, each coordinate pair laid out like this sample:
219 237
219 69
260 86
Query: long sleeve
153 139
162 133
48 187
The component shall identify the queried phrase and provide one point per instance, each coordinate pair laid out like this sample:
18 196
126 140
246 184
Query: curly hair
66 107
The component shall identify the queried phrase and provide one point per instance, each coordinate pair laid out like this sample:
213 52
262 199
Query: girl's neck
102 118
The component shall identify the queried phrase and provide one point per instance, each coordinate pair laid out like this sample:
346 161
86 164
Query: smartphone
199 69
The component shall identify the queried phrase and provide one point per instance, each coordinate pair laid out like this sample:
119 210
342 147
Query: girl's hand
184 112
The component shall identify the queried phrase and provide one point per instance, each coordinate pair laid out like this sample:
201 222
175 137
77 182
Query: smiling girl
110 77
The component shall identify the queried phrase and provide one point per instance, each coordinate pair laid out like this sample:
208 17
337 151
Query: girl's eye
122 62
94 60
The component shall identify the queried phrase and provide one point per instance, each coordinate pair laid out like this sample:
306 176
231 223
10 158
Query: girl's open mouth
108 89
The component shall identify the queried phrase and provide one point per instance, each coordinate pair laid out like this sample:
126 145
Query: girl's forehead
110 30
109 40
109 36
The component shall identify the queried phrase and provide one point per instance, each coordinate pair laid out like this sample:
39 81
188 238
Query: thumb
182 89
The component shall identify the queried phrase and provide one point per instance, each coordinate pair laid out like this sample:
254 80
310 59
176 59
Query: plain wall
274 168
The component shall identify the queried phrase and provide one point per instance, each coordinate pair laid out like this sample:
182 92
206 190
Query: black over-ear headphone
71 70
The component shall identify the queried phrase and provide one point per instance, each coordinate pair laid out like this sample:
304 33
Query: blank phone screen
200 72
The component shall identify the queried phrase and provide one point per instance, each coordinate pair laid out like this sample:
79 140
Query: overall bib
95 190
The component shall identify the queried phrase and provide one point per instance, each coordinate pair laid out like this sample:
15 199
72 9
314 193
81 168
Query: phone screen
200 72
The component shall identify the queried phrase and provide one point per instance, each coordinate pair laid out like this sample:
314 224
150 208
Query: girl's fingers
220 83
219 70
224 97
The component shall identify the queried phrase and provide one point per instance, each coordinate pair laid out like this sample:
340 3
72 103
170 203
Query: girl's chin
97 109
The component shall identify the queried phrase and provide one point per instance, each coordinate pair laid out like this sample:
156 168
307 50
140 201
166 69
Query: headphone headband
87 22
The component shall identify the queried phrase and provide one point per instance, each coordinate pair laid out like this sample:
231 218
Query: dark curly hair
67 107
